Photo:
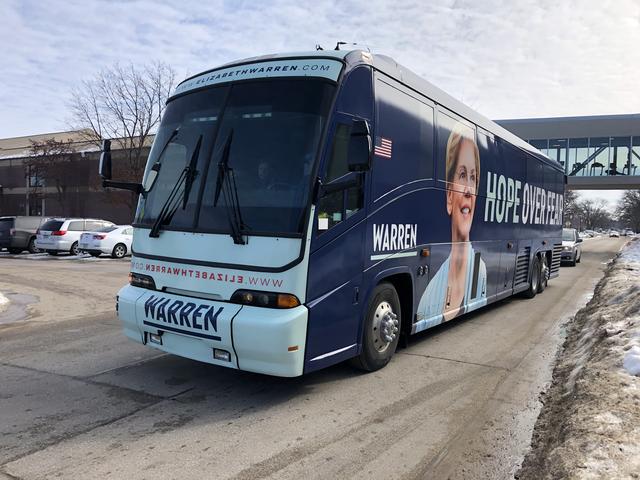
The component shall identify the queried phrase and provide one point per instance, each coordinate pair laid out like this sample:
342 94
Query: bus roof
393 69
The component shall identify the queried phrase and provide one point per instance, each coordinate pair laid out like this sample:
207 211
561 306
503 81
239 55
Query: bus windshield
274 127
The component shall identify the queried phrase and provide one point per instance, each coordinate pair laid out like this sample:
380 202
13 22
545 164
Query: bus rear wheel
535 279
544 273
381 329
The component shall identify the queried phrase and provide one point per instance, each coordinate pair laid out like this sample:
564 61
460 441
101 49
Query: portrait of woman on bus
460 284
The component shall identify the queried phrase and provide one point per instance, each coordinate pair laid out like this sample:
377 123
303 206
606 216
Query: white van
62 234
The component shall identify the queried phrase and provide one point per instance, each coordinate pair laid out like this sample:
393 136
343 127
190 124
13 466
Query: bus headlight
265 299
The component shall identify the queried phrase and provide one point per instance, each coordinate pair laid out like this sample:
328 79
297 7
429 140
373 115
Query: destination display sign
304 67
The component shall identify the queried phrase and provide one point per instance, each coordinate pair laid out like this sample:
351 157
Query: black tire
74 250
32 246
119 251
383 317
544 273
52 252
14 251
574 261
535 279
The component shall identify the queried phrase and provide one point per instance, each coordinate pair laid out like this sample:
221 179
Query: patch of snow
631 362
4 302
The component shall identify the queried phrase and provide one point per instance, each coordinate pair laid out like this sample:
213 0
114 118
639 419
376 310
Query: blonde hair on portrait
459 134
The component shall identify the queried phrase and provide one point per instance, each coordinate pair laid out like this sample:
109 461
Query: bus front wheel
381 329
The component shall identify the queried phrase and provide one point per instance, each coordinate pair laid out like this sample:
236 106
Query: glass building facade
586 146
590 156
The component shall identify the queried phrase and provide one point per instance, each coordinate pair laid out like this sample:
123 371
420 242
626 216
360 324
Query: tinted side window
337 206
356 94
92 225
76 226
403 138
535 175
337 165
51 225
6 223
514 162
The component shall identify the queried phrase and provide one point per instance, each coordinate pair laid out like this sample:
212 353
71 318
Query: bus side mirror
359 157
105 160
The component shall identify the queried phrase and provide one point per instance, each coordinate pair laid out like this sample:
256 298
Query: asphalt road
79 400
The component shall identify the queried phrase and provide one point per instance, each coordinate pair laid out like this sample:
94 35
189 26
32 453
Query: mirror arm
134 187
353 180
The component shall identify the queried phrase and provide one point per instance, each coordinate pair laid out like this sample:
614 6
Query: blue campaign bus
300 210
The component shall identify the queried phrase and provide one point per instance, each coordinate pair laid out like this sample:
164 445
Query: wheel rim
534 279
74 249
544 270
119 251
384 327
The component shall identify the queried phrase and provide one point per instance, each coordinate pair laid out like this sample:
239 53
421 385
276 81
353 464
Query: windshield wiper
223 165
191 174
186 177
226 183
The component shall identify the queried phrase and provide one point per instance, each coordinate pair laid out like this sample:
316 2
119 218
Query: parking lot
79 400
45 288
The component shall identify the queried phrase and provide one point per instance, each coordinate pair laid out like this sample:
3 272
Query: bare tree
51 164
594 214
629 210
124 104
571 199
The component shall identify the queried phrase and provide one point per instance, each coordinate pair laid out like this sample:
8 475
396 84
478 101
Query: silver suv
62 234
571 248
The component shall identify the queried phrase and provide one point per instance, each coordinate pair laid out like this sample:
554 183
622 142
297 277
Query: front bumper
261 340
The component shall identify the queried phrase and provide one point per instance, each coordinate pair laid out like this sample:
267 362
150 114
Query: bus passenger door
336 253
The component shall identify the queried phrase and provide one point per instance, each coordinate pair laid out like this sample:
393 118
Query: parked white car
62 234
113 240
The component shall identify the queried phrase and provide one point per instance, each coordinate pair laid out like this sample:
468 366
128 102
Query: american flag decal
383 147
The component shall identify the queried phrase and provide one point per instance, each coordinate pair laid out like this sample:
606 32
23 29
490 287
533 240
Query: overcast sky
524 58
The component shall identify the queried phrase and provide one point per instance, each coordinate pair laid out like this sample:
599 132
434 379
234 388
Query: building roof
574 127
20 147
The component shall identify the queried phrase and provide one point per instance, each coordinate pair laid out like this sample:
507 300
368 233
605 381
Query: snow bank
589 426
628 275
